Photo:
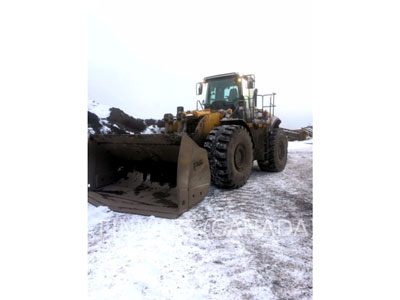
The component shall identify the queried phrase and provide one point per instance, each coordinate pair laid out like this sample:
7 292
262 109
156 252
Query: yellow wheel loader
166 174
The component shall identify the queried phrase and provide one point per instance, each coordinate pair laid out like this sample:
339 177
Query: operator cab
229 91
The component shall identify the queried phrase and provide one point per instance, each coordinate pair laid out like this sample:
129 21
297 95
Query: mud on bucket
160 175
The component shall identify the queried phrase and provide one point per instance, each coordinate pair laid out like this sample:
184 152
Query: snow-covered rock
103 119
100 110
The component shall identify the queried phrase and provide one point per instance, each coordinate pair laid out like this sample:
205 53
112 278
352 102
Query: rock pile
104 120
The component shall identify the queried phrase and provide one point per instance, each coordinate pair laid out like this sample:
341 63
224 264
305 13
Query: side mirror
250 83
199 88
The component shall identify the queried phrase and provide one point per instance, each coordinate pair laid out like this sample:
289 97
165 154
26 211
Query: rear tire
230 154
277 152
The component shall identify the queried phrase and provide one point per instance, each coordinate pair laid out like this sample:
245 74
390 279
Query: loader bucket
157 174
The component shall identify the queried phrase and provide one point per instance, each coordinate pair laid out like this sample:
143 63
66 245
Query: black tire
277 152
230 154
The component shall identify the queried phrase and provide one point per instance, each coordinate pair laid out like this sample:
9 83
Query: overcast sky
145 57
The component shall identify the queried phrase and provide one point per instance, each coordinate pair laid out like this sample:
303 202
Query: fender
275 121
207 123
241 123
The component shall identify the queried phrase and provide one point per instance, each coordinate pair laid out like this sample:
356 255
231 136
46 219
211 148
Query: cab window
224 89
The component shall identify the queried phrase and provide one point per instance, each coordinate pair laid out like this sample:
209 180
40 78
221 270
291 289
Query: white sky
145 57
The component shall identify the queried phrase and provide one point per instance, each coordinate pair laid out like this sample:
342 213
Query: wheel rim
240 157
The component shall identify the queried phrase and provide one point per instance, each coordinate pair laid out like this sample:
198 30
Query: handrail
271 105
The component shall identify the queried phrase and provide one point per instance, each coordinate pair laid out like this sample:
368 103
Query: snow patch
152 129
101 110
305 145
96 215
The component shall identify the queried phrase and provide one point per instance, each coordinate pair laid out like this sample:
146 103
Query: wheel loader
166 174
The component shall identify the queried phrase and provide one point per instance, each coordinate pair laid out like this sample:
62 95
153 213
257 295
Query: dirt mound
153 122
115 121
94 125
125 122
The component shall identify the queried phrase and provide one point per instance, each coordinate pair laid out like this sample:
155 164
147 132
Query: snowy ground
250 243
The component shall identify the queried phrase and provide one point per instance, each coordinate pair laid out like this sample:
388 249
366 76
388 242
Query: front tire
277 152
230 154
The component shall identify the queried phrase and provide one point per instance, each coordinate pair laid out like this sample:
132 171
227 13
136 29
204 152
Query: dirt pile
123 121
119 122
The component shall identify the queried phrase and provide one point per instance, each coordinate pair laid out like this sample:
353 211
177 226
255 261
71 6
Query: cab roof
232 74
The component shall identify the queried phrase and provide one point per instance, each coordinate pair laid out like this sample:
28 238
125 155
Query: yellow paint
256 125
169 128
211 121
175 126
208 123
200 113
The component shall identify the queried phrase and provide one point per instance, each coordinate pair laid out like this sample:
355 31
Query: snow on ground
305 145
251 243
97 215
152 129
101 110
